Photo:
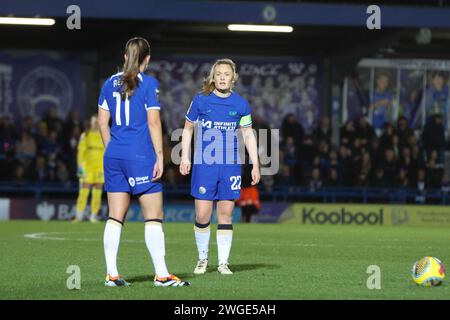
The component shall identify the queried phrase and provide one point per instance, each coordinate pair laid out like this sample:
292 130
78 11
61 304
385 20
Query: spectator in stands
434 171
324 155
365 132
41 134
402 180
356 157
51 144
19 174
308 150
315 183
411 109
292 128
386 137
403 131
323 131
62 174
7 134
376 154
284 178
333 159
417 161
433 137
53 121
381 102
362 181
27 125
40 170
421 186
26 148
379 179
291 155
366 166
437 97
51 166
405 161
347 133
346 170
389 167
73 121
333 178
396 146
445 184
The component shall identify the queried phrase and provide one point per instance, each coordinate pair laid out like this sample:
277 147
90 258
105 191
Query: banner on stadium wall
273 87
4 208
271 212
415 89
366 214
65 209
30 85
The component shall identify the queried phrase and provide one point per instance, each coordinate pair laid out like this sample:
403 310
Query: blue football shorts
216 182
130 176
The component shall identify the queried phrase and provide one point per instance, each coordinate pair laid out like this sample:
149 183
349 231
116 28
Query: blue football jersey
218 118
130 136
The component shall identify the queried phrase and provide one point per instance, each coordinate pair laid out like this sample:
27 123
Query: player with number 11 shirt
133 160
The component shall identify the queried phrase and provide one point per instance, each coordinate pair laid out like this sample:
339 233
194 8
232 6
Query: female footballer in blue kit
217 111
133 159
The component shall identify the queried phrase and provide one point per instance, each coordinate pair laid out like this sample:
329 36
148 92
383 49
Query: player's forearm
105 134
156 135
251 145
186 139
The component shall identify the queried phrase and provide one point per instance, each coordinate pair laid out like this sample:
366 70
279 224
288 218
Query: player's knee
225 218
202 219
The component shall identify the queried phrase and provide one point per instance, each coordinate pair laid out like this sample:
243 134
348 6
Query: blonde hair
136 50
208 83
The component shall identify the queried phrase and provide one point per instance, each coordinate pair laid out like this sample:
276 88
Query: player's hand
185 167
80 172
158 169
256 176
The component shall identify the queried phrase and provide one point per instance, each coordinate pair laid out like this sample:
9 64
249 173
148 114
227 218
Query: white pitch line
45 236
50 236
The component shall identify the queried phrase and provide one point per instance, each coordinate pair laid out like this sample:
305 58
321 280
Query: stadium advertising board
65 209
271 212
366 214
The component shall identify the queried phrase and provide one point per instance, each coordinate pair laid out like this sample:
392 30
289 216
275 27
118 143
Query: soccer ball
428 271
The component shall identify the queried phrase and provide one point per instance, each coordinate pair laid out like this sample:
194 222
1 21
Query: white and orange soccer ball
428 272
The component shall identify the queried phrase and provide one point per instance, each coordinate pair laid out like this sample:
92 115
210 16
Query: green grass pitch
270 261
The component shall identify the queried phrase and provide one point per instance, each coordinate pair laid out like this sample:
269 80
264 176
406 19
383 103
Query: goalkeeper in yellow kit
90 170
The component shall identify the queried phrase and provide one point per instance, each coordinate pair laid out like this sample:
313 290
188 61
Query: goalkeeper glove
80 172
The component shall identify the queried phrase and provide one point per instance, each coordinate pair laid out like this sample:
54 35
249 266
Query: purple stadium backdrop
30 85
274 87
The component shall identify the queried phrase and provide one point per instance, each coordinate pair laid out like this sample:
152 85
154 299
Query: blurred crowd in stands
45 150
41 151
397 157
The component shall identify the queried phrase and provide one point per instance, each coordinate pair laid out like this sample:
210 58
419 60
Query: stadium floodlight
259 28
27 21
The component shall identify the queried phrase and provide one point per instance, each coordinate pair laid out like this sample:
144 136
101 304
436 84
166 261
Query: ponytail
136 50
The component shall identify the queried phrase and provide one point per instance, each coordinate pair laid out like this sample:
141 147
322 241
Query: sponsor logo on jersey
232 113
131 181
142 180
